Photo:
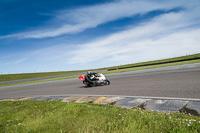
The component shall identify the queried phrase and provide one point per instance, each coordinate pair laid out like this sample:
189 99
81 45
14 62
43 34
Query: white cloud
13 62
168 35
78 20
20 60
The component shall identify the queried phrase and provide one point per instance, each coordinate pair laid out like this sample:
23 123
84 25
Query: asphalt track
176 82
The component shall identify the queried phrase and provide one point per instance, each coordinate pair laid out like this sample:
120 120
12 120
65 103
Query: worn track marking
100 100
71 99
81 100
8 99
22 99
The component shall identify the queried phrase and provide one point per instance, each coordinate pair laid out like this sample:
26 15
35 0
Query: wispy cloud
12 62
20 60
78 20
169 35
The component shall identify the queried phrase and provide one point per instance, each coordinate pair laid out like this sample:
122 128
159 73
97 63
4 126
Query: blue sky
43 36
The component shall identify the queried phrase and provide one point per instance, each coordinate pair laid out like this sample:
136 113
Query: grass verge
10 77
153 66
164 61
43 80
48 116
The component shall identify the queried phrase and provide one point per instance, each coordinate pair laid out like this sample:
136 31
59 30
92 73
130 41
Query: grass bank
42 80
159 62
10 77
153 66
46 116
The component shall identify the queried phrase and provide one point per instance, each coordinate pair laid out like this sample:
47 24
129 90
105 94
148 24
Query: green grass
158 61
10 77
153 66
43 80
51 117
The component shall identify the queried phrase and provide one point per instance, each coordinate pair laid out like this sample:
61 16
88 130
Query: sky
64 35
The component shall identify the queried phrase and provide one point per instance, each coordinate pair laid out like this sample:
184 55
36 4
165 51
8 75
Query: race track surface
177 82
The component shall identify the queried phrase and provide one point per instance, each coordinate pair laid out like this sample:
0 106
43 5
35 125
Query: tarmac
158 104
